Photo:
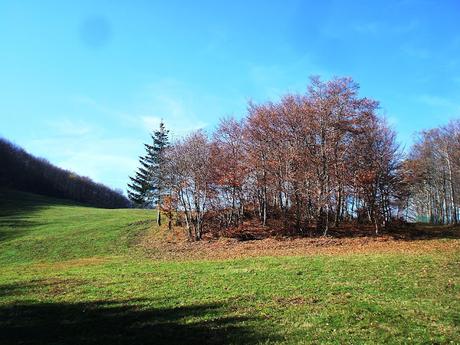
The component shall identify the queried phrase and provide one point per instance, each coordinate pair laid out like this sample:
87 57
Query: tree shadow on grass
121 322
17 212
14 227
15 203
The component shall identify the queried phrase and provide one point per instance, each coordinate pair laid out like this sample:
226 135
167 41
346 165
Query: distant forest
22 171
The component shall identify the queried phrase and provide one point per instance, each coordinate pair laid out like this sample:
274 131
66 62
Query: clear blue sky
83 82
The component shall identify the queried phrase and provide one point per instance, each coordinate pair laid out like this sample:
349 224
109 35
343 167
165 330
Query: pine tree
139 190
160 144
148 185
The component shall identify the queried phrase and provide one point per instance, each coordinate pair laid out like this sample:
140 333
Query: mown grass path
73 275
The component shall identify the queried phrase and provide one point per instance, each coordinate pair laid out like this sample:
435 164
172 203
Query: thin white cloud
96 105
105 144
101 167
151 122
375 28
274 81
437 101
367 28
392 121
89 150
182 107
105 160
70 127
416 52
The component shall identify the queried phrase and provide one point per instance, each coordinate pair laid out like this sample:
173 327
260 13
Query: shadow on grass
17 209
120 322
14 203
14 227
103 322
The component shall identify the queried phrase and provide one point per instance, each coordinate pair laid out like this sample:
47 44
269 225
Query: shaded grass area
35 228
122 322
109 293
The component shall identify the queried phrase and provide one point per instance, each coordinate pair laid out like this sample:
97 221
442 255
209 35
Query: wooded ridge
22 171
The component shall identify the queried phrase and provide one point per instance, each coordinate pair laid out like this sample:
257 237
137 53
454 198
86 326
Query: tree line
22 171
307 163
433 172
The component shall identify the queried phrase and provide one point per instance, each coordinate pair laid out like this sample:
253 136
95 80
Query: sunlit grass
73 275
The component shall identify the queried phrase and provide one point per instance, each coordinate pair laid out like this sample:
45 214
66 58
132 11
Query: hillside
20 170
36 228
65 268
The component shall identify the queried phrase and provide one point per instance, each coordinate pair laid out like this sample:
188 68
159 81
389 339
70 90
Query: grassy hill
37 228
71 274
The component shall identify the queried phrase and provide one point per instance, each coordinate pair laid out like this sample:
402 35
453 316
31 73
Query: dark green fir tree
139 190
148 186
157 161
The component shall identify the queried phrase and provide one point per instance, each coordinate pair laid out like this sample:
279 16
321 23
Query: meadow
71 274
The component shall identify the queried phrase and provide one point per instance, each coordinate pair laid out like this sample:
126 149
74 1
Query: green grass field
73 275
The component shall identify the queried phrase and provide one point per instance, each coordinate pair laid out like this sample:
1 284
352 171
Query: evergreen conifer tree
139 190
148 186
157 161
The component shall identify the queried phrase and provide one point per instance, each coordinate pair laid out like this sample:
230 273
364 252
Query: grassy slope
70 274
35 228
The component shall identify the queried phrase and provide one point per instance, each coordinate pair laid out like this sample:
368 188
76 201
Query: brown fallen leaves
81 262
173 245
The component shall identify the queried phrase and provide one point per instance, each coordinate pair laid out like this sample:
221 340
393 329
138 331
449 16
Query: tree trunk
158 215
326 225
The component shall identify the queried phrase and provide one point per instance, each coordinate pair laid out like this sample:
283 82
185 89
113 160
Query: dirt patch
173 245
72 263
50 287
58 286
298 300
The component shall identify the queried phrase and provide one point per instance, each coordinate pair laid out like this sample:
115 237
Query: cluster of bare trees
22 171
308 162
433 171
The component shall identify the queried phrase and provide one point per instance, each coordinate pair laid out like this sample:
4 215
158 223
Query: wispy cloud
105 160
416 52
366 28
438 101
68 127
96 105
274 81
84 147
445 106
182 107
151 122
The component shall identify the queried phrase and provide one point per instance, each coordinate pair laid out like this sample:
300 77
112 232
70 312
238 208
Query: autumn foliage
307 163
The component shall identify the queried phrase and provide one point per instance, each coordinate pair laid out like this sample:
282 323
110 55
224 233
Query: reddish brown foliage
313 161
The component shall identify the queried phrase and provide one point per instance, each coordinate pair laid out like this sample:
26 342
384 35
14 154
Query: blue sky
82 83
